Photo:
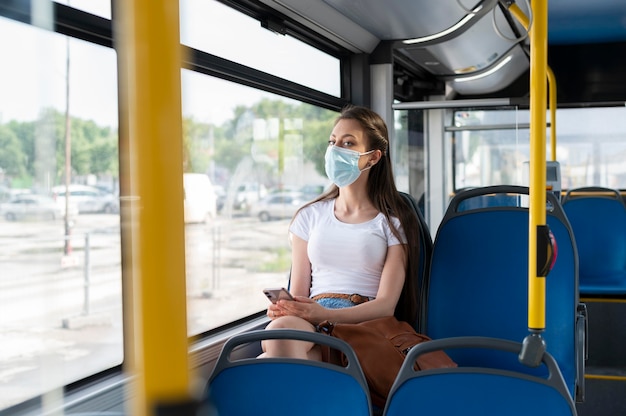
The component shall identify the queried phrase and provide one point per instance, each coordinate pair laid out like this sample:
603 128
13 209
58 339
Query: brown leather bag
381 346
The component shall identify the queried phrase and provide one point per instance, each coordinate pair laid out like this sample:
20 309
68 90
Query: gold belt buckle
356 298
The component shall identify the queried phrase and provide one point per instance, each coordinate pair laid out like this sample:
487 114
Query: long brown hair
382 191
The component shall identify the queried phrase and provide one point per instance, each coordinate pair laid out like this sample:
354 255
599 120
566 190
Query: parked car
278 205
312 191
5 194
88 199
31 206
248 194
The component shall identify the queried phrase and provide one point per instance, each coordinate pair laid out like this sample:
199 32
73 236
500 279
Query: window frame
82 25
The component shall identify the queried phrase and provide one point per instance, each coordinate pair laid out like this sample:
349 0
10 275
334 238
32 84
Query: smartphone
274 295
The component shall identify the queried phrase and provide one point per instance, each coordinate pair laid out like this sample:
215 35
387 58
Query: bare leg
289 348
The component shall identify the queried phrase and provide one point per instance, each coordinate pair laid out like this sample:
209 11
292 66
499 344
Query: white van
200 198
87 198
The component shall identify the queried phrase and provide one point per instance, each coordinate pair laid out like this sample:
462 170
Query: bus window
61 299
591 147
253 145
408 153
100 8
491 147
204 23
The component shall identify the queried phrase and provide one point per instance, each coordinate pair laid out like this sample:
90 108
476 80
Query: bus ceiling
465 49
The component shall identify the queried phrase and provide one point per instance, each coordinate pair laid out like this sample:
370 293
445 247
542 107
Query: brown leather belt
354 298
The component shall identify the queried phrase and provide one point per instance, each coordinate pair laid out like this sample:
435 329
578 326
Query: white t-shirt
345 258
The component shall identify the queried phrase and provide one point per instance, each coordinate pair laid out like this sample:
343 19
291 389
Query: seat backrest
286 386
479 280
478 390
598 218
493 200
426 251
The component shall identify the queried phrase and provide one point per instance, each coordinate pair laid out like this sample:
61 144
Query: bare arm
300 277
300 268
391 283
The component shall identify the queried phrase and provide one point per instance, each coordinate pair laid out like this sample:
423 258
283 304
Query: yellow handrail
523 19
150 67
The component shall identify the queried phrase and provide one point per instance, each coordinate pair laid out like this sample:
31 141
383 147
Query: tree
104 156
225 147
12 157
35 150
94 148
316 135
25 134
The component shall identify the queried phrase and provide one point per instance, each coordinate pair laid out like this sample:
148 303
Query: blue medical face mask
342 165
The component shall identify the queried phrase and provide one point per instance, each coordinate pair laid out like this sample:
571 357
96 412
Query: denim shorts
335 303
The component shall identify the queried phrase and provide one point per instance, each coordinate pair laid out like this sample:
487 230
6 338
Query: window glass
253 146
217 29
490 147
100 8
60 281
408 153
589 147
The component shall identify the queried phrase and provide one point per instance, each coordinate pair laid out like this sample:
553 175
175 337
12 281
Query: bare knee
289 322
289 348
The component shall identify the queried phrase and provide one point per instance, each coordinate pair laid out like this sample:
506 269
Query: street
61 317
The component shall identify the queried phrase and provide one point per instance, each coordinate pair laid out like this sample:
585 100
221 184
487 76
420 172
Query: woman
355 248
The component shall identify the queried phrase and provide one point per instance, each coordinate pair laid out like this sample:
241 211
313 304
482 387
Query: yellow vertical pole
538 90
523 19
150 53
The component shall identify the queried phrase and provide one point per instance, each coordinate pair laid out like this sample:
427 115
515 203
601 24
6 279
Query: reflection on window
219 30
264 157
487 155
589 147
60 281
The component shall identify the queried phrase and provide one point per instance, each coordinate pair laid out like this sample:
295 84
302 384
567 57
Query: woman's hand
273 311
302 307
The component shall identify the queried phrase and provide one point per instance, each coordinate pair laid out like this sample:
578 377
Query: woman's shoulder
314 209
387 224
318 206
381 218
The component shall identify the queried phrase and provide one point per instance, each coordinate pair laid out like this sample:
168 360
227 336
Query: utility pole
67 251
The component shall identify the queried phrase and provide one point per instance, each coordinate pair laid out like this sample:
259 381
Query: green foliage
287 126
94 148
34 152
317 133
104 156
12 157
40 160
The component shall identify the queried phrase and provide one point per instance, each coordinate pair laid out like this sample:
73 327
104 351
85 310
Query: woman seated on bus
355 249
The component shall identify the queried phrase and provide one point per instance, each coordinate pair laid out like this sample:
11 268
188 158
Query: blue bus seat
286 386
598 218
478 390
479 283
491 200
426 252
